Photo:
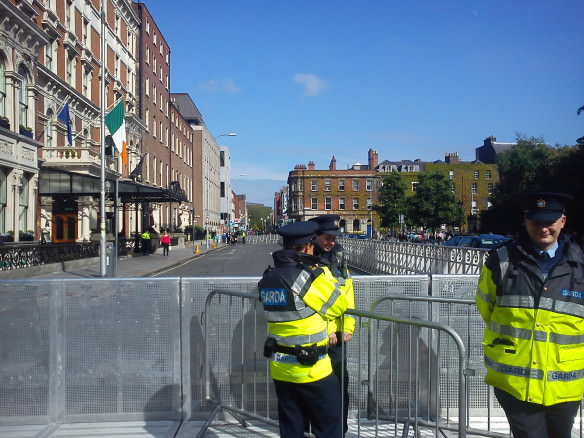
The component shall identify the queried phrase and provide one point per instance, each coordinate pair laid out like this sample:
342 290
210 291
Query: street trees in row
432 205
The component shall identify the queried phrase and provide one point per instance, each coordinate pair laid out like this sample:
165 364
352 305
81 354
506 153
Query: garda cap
298 233
327 224
544 206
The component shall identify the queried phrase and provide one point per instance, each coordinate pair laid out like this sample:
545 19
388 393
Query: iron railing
27 255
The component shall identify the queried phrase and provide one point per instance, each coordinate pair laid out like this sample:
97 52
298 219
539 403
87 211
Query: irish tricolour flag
116 125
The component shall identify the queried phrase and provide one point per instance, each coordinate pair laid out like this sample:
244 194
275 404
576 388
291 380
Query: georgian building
349 193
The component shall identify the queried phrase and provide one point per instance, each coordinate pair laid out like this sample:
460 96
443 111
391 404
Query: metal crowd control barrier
381 257
83 354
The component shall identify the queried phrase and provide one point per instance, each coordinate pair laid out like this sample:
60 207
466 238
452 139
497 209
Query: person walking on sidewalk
146 242
165 242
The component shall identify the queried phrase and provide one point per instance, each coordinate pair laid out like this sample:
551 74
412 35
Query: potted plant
4 122
26 131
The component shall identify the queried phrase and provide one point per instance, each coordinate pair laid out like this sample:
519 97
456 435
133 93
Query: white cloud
219 86
313 85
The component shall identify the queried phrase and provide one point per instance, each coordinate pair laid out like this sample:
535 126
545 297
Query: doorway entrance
64 227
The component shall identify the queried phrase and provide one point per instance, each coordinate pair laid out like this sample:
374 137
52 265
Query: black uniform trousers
316 402
339 364
531 420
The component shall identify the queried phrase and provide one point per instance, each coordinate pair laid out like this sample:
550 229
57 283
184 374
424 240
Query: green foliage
392 200
255 214
434 204
529 167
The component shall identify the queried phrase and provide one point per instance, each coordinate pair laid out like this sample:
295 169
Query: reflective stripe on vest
290 315
301 339
552 376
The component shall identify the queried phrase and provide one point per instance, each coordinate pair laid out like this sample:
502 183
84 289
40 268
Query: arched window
23 97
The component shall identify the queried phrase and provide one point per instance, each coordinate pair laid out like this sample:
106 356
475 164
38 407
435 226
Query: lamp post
229 134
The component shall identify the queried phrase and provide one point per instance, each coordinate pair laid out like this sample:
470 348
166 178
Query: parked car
485 241
453 241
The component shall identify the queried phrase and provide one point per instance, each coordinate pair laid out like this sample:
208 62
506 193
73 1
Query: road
230 261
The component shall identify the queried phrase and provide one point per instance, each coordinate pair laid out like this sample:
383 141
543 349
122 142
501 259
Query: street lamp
229 134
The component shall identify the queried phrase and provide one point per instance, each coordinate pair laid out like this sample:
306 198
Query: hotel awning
56 182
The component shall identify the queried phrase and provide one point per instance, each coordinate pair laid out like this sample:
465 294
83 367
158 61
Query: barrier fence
175 351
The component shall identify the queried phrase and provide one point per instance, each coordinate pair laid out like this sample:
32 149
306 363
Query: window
327 185
23 97
488 174
355 203
355 184
490 187
313 185
314 203
451 174
414 186
476 174
2 89
341 203
69 70
49 55
85 36
369 203
86 80
473 188
452 188
23 203
342 185
474 209
368 184
3 200
222 158
148 55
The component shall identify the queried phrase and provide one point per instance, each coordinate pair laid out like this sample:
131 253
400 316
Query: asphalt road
229 261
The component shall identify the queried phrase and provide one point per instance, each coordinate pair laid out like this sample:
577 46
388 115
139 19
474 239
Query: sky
306 80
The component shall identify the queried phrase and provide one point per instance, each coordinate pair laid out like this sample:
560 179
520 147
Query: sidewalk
137 265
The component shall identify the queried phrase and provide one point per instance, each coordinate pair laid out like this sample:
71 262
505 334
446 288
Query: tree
255 213
524 168
392 200
434 204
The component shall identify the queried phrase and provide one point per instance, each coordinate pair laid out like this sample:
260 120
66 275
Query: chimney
300 167
451 157
489 140
333 165
311 165
373 158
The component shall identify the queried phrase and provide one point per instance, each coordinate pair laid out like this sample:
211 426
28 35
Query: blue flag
63 116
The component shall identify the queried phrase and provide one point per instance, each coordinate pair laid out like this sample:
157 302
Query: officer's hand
333 339
347 336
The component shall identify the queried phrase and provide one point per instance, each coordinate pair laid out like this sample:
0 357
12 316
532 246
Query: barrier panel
381 257
119 350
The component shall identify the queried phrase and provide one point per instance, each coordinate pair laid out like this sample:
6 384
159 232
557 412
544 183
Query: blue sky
302 80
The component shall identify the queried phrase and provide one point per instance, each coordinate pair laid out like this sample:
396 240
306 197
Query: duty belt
323 349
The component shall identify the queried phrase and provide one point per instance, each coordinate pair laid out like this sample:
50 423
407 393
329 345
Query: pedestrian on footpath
165 242
341 329
531 297
300 297
145 242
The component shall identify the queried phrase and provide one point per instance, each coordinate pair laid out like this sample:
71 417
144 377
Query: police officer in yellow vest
531 297
300 297
341 329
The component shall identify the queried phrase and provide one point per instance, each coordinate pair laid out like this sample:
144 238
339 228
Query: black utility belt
306 354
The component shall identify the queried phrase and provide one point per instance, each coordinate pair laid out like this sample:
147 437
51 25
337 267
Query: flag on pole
64 117
116 124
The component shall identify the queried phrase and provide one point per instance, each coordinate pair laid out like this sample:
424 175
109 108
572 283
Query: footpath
137 265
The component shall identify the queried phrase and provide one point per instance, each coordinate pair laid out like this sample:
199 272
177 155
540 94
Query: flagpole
102 241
